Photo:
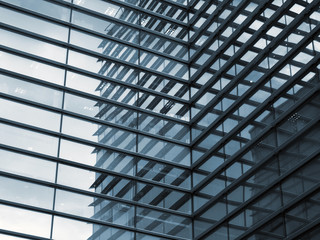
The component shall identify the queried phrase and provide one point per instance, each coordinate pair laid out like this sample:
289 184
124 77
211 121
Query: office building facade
149 120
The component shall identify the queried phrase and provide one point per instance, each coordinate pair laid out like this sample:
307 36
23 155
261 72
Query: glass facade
149 120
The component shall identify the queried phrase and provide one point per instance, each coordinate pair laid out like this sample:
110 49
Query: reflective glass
163 150
27 166
91 131
26 193
109 9
155 120
7 237
32 46
28 140
31 68
75 177
30 91
43 7
25 221
65 229
29 115
105 27
33 24
94 208
163 223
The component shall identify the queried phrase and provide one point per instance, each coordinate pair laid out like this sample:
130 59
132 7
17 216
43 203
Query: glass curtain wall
149 120
95 120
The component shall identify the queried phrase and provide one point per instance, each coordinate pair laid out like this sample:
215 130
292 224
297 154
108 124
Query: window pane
28 140
27 166
25 221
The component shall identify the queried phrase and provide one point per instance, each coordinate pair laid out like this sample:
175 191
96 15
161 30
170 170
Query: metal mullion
87 220
305 229
139 9
124 23
231 160
160 176
231 180
253 170
161 196
91 119
93 168
91 32
234 203
203 8
259 138
96 34
266 189
255 185
199 12
252 90
255 123
221 134
90 74
283 209
91 143
153 13
67 51
192 3
91 53
239 53
269 234
137 178
172 3
90 96
258 110
21 235
246 83
94 14
229 40
298 219
225 23
91 194
233 96
235 117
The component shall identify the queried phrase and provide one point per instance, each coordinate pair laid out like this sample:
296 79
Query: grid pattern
149 120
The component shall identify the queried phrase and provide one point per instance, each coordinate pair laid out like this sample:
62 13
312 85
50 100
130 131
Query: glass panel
66 229
105 88
25 221
164 128
104 46
99 133
103 26
43 7
7 237
30 91
26 193
83 83
31 68
100 110
98 157
27 166
109 9
29 115
75 177
140 236
163 223
33 24
32 46
164 150
94 208
28 140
